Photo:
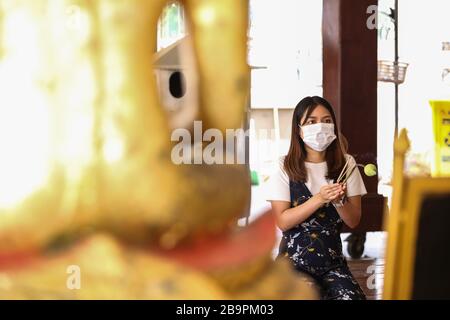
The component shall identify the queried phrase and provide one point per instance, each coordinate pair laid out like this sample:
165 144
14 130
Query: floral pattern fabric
314 247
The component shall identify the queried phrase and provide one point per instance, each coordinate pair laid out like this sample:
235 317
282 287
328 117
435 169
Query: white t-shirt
277 187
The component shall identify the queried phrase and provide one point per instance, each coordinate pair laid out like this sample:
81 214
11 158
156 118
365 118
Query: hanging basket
446 46
446 75
390 71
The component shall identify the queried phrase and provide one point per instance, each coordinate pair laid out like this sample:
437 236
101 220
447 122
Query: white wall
423 26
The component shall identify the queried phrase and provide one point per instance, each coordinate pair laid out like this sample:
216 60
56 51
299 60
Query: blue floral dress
315 247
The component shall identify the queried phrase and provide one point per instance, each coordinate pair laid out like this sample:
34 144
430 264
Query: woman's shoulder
355 183
280 171
277 186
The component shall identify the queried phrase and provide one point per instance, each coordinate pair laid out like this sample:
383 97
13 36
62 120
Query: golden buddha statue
91 205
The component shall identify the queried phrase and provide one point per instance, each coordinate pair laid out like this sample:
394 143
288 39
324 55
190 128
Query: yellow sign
441 128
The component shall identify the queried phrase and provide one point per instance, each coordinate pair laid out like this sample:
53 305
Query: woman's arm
354 187
350 212
288 218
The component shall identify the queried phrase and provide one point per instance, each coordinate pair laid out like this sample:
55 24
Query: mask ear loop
300 127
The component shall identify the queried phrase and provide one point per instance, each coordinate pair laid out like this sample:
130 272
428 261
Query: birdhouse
176 79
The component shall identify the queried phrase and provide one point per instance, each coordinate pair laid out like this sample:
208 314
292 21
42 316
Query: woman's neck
315 156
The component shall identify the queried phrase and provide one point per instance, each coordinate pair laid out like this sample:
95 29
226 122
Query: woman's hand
343 194
332 192
339 201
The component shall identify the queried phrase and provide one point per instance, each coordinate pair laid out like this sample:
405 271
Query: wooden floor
369 269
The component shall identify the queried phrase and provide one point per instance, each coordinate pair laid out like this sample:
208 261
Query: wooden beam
350 84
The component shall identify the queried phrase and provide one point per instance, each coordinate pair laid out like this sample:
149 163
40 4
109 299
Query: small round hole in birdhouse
177 84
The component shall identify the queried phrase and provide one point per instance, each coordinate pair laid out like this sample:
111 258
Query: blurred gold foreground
91 206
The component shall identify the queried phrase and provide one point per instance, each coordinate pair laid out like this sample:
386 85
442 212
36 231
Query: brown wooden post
350 84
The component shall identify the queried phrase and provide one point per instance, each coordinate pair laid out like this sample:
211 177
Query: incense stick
347 176
343 170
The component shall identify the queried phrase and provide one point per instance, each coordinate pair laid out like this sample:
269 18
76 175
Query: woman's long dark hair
294 162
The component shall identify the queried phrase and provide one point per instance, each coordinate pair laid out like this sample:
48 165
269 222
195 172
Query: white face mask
318 136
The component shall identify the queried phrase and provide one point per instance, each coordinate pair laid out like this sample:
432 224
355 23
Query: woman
310 208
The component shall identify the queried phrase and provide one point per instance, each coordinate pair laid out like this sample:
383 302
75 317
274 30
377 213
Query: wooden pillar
350 84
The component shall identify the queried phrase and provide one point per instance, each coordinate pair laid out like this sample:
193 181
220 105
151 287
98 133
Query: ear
139 193
175 201
224 75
